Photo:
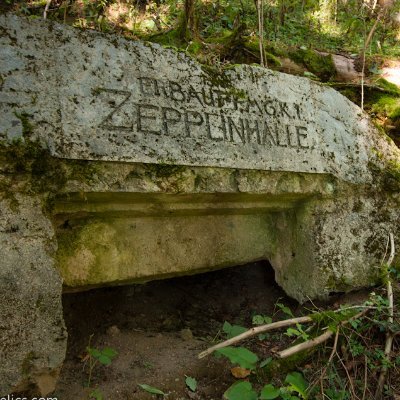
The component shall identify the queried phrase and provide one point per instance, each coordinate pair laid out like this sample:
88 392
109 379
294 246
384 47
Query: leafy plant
96 395
295 388
261 320
232 330
191 383
269 392
241 390
285 309
240 355
297 384
151 389
96 356
299 332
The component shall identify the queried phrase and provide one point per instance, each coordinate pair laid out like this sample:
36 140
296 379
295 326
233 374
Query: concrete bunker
145 165
122 238
166 221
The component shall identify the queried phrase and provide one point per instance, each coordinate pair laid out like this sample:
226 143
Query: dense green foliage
330 25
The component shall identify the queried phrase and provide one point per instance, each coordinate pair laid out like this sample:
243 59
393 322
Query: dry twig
308 344
46 9
389 335
255 331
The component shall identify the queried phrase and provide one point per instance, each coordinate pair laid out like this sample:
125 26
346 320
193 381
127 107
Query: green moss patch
37 172
320 65
170 39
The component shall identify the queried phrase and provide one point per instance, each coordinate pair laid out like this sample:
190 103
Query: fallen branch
255 331
358 85
46 9
333 352
389 335
305 345
317 340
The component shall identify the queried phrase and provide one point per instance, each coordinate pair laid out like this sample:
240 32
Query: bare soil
159 328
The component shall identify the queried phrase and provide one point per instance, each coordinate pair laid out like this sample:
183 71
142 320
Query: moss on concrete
37 172
27 126
164 170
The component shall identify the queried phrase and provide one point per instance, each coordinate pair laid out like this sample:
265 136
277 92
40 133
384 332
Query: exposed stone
32 332
186 334
113 330
154 166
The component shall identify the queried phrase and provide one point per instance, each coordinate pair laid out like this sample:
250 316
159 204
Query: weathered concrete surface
151 166
32 332
116 100
170 221
320 234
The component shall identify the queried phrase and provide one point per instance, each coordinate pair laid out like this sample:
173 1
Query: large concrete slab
98 97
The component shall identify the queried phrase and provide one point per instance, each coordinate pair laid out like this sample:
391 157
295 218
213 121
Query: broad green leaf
232 330
109 352
269 392
285 395
240 355
309 74
104 356
266 362
104 359
242 390
298 383
191 383
96 394
292 332
285 309
151 389
258 320
93 352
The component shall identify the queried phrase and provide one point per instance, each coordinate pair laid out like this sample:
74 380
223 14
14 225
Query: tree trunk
188 28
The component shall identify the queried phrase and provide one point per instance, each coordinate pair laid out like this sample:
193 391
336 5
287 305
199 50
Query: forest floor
159 328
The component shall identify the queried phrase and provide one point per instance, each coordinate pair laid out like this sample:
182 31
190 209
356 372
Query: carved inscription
168 108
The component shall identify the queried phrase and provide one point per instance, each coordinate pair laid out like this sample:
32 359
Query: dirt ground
159 328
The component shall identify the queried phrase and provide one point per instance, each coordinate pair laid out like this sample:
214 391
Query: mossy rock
320 65
170 38
195 47
273 53
382 102
388 86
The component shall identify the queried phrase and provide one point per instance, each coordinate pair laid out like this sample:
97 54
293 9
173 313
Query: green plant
191 383
241 390
96 356
151 389
361 335
285 309
232 330
295 388
96 395
299 332
240 355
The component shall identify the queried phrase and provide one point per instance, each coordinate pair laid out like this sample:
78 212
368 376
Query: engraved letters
169 108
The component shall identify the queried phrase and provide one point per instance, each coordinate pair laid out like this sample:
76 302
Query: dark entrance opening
159 328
